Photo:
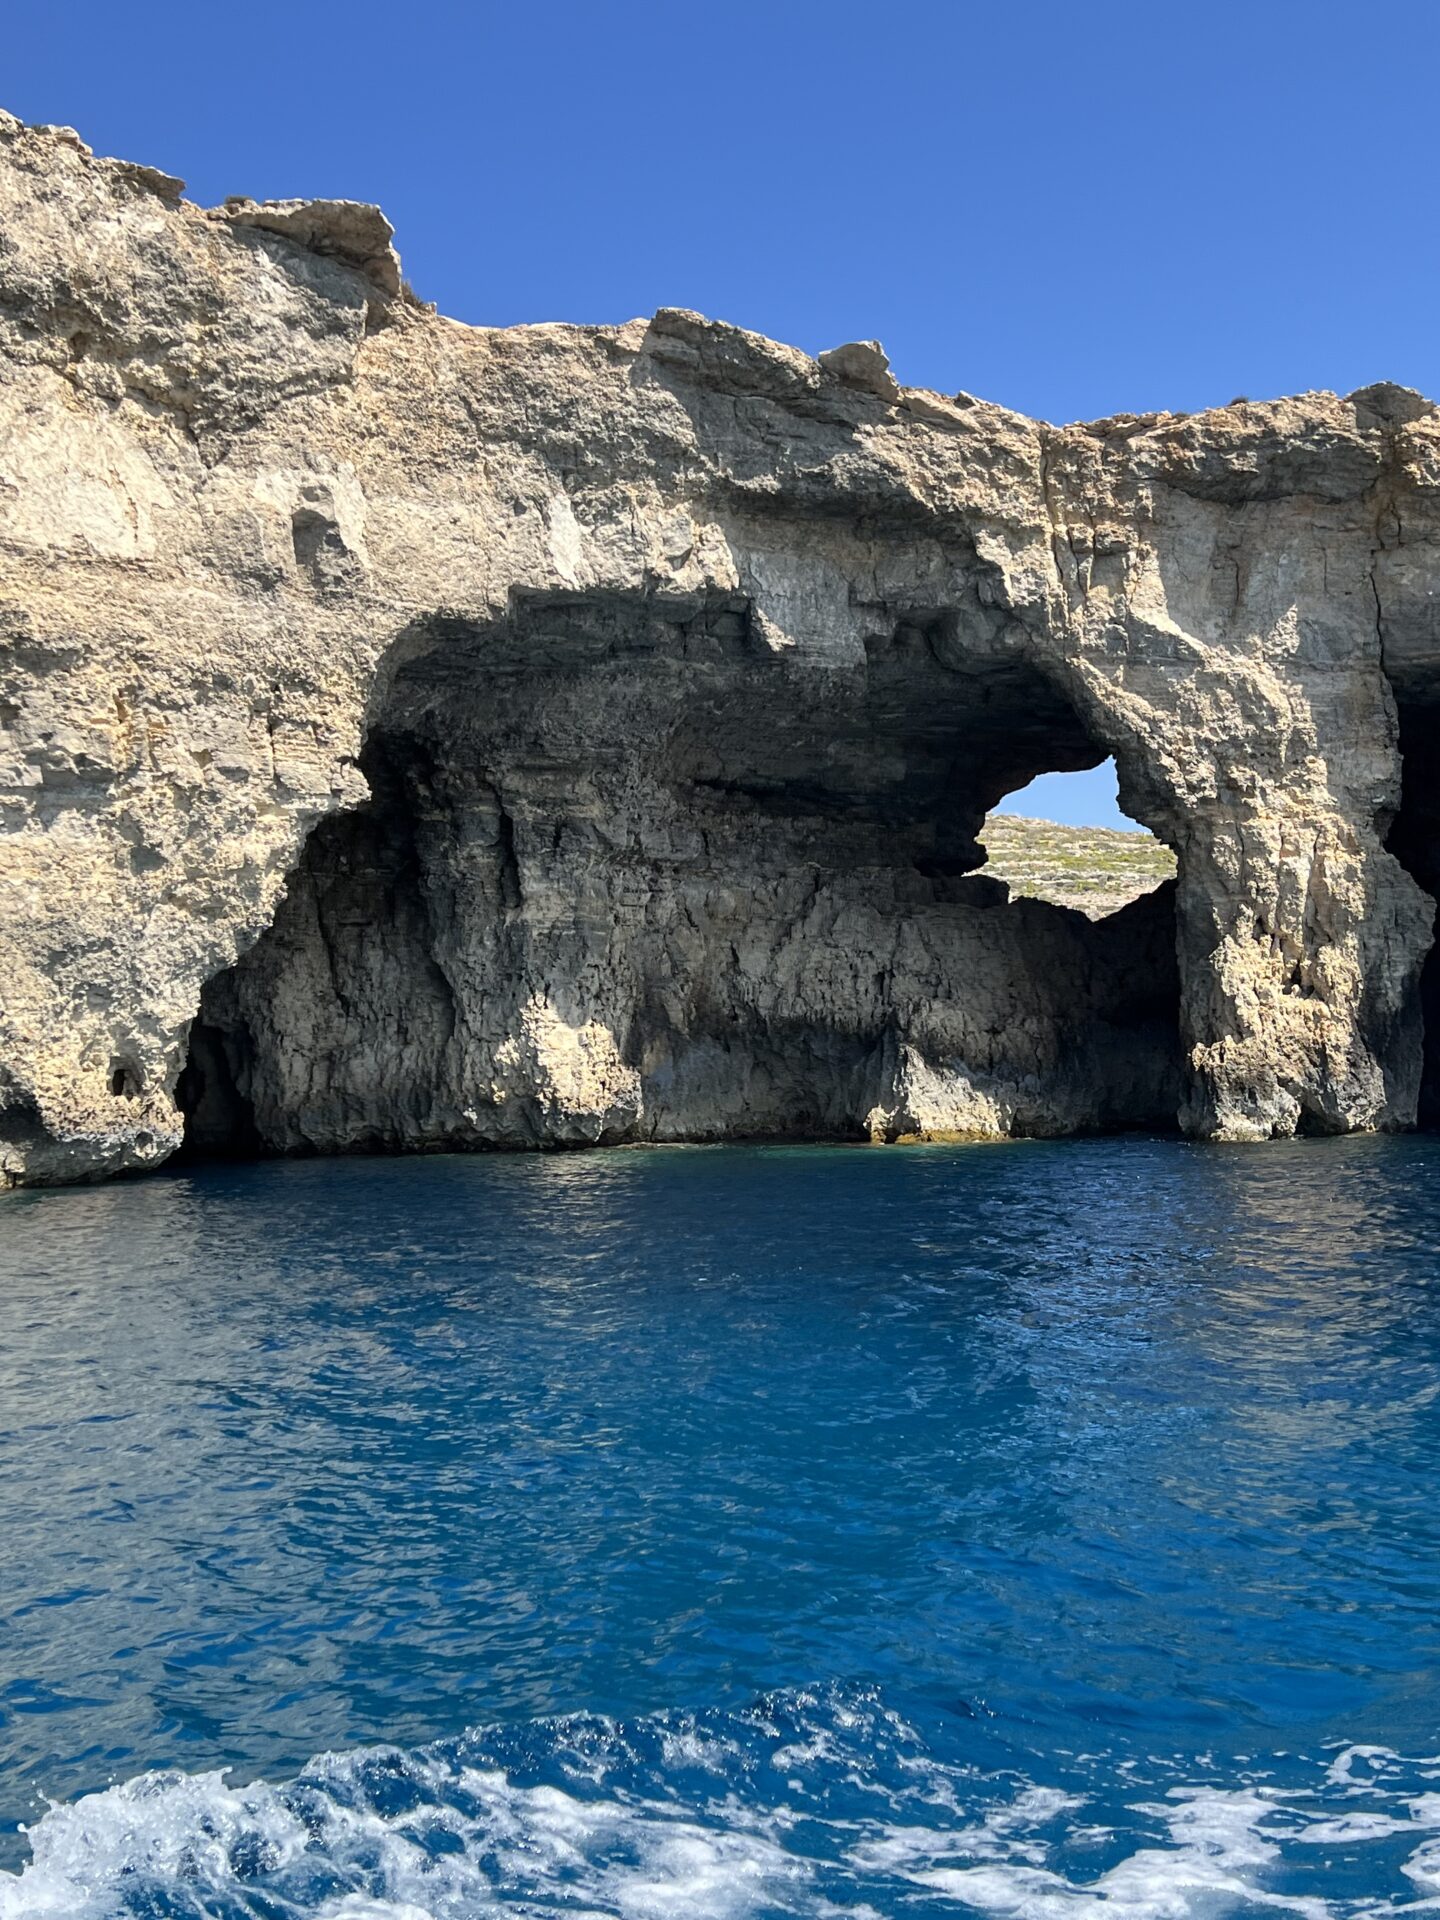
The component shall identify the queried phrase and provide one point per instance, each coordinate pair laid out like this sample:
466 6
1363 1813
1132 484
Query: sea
1040 1529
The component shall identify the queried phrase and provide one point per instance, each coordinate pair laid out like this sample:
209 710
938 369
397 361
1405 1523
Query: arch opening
1065 838
628 872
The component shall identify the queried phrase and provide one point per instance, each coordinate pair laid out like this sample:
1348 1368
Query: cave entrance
1415 842
630 872
1064 838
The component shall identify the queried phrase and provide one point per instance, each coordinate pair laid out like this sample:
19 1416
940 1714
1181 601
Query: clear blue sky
1079 799
1074 210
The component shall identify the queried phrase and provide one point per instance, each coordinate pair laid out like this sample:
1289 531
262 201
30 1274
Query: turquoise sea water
1040 1530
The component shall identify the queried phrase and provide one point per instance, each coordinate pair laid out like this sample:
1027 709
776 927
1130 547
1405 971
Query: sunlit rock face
414 735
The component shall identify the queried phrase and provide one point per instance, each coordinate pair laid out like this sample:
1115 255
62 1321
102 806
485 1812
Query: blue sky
1072 210
1078 799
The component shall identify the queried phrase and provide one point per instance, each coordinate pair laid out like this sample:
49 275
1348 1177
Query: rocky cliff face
415 735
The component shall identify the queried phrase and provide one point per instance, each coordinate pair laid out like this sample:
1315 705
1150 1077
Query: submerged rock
416 735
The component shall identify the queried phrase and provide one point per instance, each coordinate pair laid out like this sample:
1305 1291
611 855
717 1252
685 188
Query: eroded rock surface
417 735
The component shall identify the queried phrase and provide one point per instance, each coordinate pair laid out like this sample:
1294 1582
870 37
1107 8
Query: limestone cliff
416 735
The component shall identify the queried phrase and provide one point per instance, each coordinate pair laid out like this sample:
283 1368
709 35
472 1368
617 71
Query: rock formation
416 735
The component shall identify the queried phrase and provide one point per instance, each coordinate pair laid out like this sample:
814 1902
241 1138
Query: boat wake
816 1804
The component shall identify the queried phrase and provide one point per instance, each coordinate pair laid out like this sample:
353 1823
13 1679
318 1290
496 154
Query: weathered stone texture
580 733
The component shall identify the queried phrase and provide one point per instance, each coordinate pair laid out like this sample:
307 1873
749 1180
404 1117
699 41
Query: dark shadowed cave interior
757 873
1415 841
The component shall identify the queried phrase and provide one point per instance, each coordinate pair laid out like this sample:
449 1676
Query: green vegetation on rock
1095 869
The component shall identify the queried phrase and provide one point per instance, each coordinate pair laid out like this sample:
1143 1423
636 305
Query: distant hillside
1093 868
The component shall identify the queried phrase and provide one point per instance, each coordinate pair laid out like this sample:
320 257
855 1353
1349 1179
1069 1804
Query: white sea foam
216 1842
1216 1850
818 1808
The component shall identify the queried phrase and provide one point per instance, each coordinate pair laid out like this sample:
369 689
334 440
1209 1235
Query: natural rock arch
239 460
629 872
